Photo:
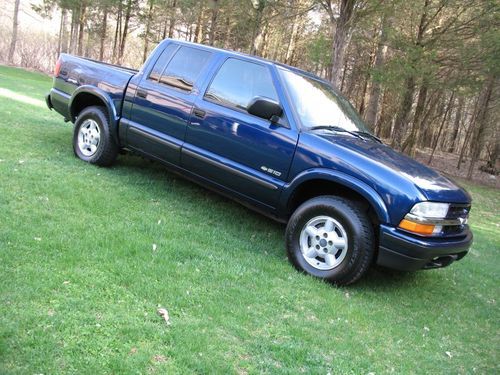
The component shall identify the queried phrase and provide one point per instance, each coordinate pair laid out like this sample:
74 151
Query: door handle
200 113
142 93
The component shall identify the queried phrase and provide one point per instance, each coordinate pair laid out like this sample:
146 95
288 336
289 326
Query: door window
238 82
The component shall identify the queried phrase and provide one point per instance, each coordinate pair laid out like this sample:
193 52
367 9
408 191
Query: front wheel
330 238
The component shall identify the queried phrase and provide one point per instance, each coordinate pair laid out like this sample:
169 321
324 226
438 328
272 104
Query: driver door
230 147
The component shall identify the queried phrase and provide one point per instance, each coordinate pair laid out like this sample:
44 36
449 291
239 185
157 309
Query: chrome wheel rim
323 243
89 137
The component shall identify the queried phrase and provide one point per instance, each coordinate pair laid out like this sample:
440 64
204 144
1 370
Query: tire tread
357 267
108 153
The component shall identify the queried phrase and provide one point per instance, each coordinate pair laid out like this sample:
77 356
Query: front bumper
405 252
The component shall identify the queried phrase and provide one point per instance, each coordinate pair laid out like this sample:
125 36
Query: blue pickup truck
277 139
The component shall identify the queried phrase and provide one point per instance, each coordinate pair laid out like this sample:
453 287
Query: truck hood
434 186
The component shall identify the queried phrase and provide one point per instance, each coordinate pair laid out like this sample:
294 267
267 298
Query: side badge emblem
271 171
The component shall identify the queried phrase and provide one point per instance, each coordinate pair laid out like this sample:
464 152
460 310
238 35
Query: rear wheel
331 238
92 139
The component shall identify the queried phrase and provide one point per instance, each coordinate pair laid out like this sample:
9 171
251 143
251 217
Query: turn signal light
411 226
57 68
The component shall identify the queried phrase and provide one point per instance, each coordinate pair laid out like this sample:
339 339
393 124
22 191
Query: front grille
457 211
452 230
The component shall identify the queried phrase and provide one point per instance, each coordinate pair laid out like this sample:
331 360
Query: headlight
430 210
427 218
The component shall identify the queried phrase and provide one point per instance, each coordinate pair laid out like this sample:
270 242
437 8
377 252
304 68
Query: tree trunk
81 26
344 76
104 26
456 125
13 40
171 24
403 113
481 123
64 32
227 33
164 33
259 11
341 40
293 38
373 102
117 38
405 108
441 127
60 36
384 121
72 31
409 144
199 25
213 21
491 165
366 76
363 96
89 43
468 132
148 28
75 17
128 14
264 45
425 133
277 43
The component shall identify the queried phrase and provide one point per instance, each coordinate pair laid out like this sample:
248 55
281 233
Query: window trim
148 77
236 108
173 86
286 92
177 85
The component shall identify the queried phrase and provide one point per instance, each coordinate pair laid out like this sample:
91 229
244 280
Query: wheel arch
86 96
317 182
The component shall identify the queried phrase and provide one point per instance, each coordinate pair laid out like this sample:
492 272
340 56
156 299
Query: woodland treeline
424 74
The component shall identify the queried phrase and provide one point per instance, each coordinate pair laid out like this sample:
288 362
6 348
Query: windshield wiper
369 135
336 129
356 133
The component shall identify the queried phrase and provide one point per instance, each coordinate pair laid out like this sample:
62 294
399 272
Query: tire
92 139
331 238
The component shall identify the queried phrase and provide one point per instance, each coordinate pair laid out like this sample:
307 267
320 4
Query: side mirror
265 108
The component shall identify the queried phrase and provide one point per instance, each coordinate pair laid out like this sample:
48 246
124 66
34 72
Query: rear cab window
179 67
162 62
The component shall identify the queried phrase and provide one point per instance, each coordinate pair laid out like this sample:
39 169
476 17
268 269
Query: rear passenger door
163 102
226 144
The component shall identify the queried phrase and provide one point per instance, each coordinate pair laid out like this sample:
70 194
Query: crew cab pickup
277 139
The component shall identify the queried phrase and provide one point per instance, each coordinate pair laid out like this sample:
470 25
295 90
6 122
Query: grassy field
87 255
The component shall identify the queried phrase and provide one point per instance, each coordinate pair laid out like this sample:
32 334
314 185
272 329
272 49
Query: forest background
423 74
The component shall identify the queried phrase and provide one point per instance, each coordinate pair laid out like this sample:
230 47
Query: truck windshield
318 105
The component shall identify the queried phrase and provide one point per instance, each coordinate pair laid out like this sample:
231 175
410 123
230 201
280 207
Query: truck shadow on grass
380 279
159 183
194 195
239 216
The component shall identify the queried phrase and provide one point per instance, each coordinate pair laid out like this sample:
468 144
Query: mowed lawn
88 255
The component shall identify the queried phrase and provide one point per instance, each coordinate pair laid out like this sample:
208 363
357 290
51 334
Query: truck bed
78 71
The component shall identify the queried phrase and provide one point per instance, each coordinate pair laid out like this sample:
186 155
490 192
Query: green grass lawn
87 255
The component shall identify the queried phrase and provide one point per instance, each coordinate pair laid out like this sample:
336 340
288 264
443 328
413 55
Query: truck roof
247 56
